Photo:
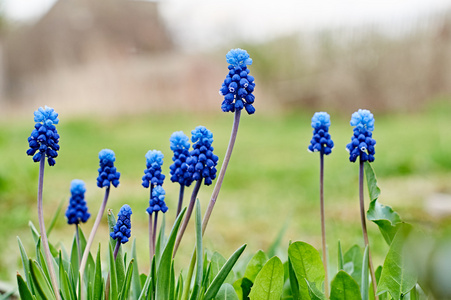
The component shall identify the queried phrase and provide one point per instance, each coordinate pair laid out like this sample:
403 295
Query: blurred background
126 74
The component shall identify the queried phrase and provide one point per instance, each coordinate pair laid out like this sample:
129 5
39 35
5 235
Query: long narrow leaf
161 240
199 252
24 291
127 282
42 285
164 267
364 285
65 288
340 257
223 273
98 280
26 265
55 218
113 278
136 282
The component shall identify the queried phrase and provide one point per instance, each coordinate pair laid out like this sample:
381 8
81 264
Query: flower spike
321 140
362 142
122 230
152 174
107 171
44 138
238 85
77 211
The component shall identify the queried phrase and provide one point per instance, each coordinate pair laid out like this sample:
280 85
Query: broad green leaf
98 280
385 218
55 217
344 287
199 253
66 289
371 181
398 276
215 285
127 282
364 284
306 262
164 267
24 291
269 282
113 294
41 284
255 265
136 282
226 292
26 265
353 263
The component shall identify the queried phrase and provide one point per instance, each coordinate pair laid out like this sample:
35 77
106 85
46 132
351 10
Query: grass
271 181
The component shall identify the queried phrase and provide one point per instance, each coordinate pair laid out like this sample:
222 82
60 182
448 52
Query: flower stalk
45 242
323 224
180 203
217 188
364 230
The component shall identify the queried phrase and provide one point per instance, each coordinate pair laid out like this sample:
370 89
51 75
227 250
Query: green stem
45 242
323 224
364 230
77 234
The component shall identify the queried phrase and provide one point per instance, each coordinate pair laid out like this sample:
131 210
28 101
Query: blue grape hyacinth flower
108 173
122 229
77 211
179 144
362 143
202 163
238 85
152 174
156 203
321 140
44 138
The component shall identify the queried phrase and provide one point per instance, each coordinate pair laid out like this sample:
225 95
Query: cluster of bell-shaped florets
321 141
107 171
122 230
180 145
156 203
152 173
77 211
238 85
202 162
44 138
362 142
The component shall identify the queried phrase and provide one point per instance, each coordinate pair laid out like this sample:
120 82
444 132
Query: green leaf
294 284
199 253
255 265
24 291
340 257
41 284
215 285
164 267
364 284
34 232
26 265
344 287
55 218
136 282
145 288
127 282
273 247
353 263
66 289
98 280
371 181
74 260
217 261
226 292
242 288
113 295
269 282
172 288
385 218
161 240
306 262
398 276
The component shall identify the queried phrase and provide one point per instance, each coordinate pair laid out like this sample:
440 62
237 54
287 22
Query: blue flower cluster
238 85
321 140
107 172
122 229
44 138
202 161
179 169
156 203
77 211
362 142
152 174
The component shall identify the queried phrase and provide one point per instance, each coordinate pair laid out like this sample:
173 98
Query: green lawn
271 181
